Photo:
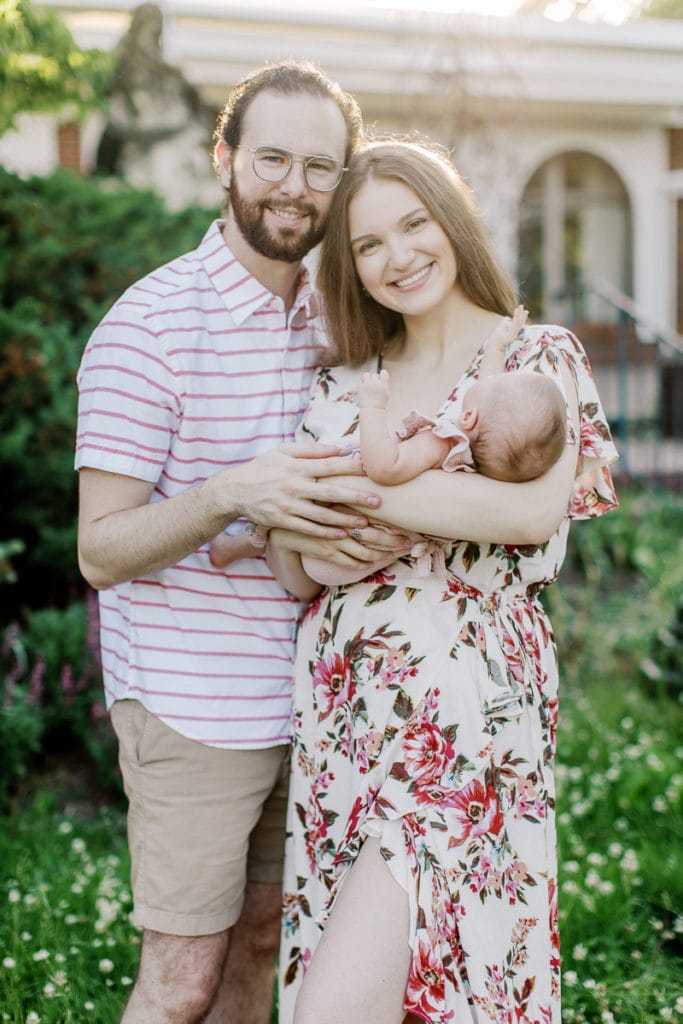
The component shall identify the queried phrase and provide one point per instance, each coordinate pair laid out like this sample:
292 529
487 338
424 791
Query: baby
513 427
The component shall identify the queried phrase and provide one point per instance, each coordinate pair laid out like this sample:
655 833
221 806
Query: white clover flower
606 887
125 980
564 819
33 1018
60 958
9 962
49 990
678 928
612 774
88 1005
615 850
590 983
59 978
26 936
78 845
77 889
580 952
71 919
41 954
679 1004
65 828
592 880
96 943
596 859
14 896
30 899
636 954
106 966
110 941
571 866
629 861
666 1013
570 978
570 887
607 1017
659 805
627 724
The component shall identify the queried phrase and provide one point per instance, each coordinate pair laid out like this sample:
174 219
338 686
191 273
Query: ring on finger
357 533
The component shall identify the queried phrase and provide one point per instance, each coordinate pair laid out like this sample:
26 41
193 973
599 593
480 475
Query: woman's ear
223 161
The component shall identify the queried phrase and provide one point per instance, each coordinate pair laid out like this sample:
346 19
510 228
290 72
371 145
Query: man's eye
273 158
321 166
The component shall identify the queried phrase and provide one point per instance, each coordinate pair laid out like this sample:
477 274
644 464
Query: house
571 134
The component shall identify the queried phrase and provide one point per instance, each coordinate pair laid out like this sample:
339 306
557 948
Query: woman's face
403 256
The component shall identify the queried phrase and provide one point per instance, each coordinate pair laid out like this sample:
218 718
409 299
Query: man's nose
294 182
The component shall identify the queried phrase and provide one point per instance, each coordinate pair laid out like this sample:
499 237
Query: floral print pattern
425 714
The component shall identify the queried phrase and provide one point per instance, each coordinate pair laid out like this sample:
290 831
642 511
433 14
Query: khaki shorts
201 821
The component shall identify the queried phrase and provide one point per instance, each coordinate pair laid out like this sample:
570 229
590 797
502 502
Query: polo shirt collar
240 292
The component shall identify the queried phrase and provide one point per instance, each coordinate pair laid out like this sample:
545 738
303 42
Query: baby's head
517 425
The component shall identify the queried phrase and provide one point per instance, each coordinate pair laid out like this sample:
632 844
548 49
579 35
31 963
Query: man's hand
293 487
369 546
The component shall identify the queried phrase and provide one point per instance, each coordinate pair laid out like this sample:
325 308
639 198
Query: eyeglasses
321 173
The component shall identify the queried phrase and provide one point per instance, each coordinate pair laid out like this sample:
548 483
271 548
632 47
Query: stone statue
158 133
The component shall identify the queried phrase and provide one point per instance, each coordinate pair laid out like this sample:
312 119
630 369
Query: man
187 387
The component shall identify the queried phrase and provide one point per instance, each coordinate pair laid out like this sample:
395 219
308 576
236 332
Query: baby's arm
385 460
227 548
493 359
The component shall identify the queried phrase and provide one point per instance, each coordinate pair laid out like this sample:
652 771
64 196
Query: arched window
575 225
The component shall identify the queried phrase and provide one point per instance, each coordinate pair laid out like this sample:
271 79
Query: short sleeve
128 410
541 348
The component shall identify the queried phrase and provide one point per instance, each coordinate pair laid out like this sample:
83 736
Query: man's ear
223 158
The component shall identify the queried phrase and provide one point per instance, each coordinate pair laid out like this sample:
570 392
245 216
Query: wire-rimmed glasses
321 173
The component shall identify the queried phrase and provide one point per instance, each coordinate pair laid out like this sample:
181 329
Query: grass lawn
68 952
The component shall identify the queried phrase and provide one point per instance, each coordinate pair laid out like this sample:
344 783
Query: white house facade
571 135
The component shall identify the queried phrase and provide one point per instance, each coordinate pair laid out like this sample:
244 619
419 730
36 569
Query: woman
421 874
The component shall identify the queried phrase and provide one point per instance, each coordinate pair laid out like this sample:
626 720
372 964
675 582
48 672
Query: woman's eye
417 223
366 248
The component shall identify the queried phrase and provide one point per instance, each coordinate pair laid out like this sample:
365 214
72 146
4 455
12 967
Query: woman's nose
401 256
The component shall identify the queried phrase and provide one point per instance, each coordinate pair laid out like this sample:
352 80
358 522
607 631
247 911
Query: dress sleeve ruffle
459 454
593 493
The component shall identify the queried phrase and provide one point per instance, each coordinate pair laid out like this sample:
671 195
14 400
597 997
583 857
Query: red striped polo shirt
195 369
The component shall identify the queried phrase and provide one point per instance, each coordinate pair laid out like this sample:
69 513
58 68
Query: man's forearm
137 541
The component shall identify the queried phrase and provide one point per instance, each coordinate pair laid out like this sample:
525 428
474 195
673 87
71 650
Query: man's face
281 220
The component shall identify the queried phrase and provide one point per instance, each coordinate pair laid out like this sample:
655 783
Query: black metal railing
645 360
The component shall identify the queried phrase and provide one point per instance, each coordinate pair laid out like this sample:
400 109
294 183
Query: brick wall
69 146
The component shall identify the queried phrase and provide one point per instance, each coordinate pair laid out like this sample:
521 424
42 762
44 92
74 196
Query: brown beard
287 245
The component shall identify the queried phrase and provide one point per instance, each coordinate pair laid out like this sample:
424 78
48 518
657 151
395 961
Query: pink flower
333 683
426 751
426 987
477 812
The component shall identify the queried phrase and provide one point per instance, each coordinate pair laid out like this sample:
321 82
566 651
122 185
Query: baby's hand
507 331
373 390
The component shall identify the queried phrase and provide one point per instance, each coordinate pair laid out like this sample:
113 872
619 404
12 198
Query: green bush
51 698
68 249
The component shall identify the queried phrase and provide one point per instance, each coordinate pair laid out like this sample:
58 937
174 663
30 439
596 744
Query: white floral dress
424 714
